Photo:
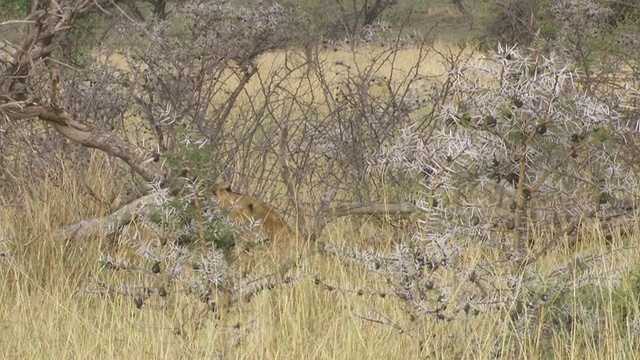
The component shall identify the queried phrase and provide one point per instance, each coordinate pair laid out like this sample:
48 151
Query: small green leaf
601 135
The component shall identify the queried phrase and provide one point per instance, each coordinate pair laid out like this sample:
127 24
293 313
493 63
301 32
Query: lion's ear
225 186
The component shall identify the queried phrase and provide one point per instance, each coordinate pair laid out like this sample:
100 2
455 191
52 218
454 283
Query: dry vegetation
486 264
46 311
329 306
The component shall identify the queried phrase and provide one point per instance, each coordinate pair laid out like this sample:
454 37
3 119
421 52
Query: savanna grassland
48 311
523 261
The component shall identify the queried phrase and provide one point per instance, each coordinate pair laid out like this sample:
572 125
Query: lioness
244 208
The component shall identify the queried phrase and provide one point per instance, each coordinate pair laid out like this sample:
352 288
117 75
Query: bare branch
286 177
109 224
360 209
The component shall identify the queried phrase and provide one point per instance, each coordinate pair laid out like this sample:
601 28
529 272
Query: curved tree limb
40 37
332 214
110 224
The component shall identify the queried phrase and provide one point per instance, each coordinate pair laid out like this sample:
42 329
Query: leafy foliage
335 19
11 9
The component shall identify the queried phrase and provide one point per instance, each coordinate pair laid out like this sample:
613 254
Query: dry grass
43 315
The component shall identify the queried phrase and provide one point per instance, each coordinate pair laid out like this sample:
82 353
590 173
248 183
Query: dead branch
332 214
286 177
323 217
110 224
37 47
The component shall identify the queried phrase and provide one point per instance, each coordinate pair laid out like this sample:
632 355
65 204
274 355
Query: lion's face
243 208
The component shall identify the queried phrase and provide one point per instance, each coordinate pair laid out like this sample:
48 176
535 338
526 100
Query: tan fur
244 208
